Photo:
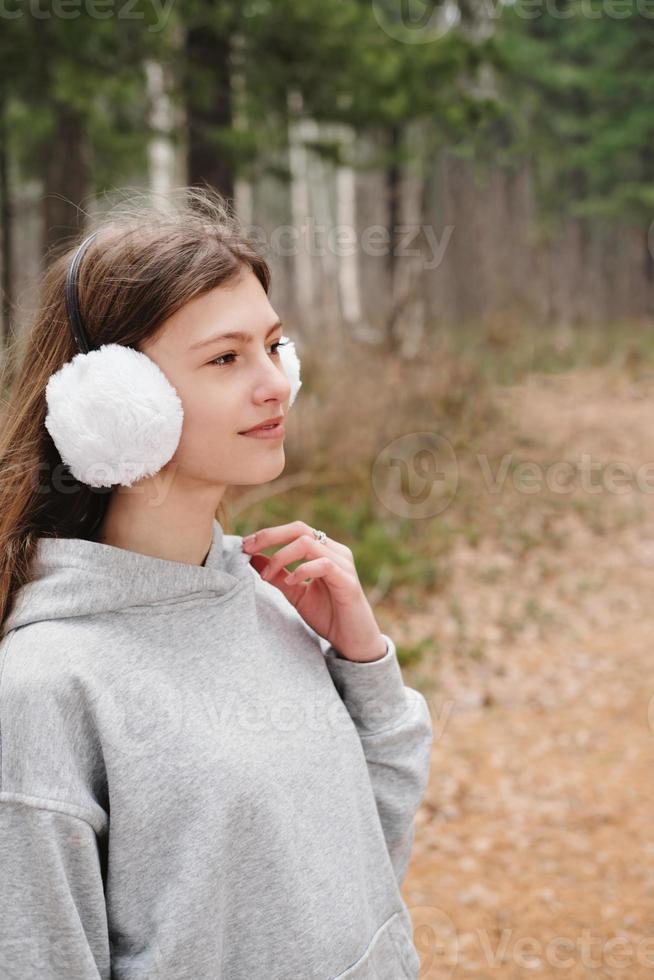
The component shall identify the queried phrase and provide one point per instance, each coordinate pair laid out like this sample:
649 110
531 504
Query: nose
272 383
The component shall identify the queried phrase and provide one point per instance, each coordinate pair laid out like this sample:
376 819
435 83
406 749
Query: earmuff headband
72 300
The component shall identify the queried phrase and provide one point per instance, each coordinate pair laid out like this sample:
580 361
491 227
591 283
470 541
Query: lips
268 424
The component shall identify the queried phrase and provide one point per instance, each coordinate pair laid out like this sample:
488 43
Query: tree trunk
8 326
648 250
408 304
243 183
304 285
66 177
393 190
6 225
346 207
208 98
161 150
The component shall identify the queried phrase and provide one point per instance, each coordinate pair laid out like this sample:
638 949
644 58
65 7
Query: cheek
211 419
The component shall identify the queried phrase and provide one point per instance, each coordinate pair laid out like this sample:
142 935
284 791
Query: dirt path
534 849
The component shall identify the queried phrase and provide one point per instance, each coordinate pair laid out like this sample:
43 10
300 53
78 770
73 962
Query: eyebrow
246 338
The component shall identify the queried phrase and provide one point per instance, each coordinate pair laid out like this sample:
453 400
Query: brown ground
534 850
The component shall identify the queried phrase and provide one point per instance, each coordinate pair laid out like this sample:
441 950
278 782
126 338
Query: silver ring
319 535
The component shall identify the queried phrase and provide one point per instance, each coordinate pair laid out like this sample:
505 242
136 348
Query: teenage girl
208 771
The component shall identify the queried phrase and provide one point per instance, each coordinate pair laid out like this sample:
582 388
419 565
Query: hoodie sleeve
395 728
53 921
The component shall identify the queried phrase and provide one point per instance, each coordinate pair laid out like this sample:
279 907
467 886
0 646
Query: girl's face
225 385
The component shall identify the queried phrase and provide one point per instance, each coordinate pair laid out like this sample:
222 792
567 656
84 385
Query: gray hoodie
194 786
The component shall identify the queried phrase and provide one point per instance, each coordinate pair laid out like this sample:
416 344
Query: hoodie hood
75 577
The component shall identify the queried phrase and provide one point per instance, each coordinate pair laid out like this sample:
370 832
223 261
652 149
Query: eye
222 358
275 353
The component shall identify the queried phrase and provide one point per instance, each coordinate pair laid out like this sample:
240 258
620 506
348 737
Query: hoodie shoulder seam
52 806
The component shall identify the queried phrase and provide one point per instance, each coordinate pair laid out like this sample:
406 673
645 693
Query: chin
268 467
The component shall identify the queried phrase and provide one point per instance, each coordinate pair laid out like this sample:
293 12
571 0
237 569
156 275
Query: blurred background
456 200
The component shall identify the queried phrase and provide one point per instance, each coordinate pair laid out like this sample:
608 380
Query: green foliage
335 55
408 655
576 103
569 90
94 67
387 554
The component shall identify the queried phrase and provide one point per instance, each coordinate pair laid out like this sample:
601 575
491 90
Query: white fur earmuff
291 365
113 415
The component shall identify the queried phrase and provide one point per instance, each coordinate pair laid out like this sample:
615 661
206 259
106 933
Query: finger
265 537
282 533
338 580
303 547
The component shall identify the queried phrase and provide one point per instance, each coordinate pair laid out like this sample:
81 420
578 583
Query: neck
172 521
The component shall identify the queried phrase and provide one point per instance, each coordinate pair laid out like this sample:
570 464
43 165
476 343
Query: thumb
259 562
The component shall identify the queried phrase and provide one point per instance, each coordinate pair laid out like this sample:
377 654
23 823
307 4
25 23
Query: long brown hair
145 263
